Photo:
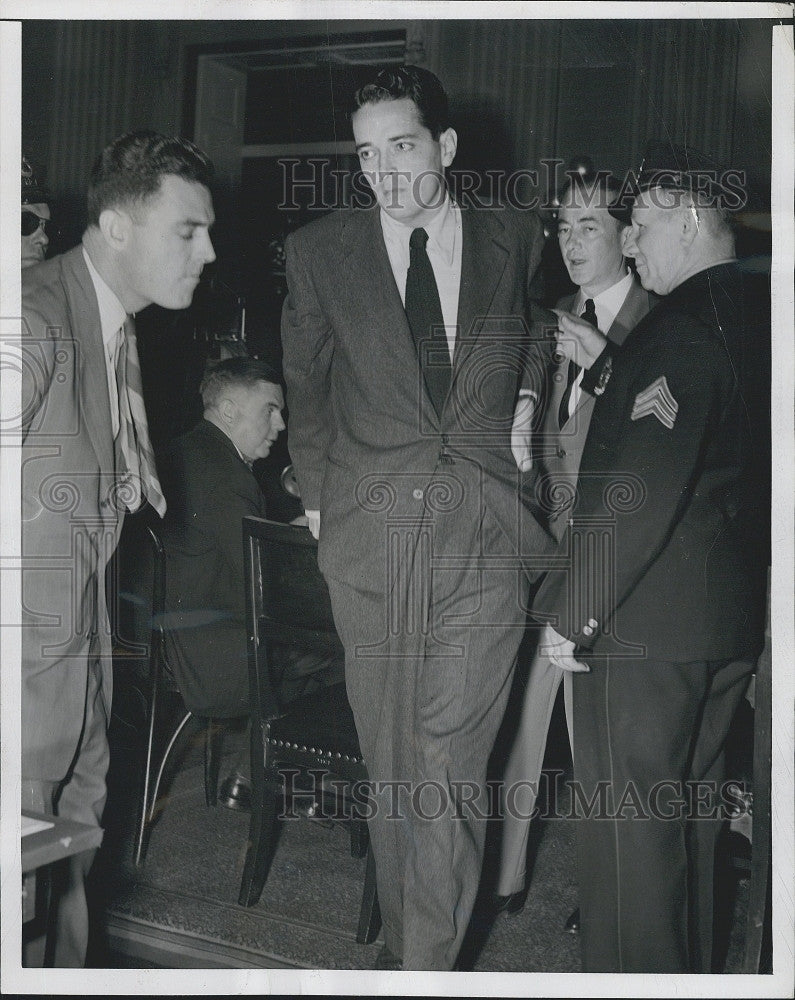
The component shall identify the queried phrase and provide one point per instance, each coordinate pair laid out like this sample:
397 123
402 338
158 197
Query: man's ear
448 141
624 235
690 221
227 410
115 227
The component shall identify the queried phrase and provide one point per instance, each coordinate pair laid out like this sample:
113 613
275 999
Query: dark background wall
520 91
599 87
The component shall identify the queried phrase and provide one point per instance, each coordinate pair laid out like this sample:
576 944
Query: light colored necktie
139 481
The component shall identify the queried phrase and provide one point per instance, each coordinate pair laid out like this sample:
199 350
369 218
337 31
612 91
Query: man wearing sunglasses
36 225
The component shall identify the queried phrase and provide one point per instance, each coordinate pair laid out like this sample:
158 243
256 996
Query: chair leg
141 840
261 843
151 788
265 803
213 740
369 912
360 838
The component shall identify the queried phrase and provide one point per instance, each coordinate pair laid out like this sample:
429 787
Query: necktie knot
589 313
418 239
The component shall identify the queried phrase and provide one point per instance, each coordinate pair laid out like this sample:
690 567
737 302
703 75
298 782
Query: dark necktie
424 313
589 315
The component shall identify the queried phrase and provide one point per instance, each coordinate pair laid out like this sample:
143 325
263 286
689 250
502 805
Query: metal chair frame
154 738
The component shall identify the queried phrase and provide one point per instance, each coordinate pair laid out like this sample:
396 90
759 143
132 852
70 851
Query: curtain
93 97
514 75
685 85
502 78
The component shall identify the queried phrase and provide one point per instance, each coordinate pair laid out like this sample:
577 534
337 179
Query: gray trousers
523 768
80 797
428 676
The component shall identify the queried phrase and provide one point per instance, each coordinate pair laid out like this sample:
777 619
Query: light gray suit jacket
71 515
560 448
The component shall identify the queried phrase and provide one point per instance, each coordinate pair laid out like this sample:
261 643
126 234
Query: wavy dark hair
419 85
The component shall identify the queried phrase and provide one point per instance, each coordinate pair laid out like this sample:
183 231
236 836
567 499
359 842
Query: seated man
210 488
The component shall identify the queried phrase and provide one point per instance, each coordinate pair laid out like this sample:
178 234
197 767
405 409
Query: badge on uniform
657 400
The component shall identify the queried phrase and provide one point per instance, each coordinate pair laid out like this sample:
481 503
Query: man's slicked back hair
599 189
130 169
420 85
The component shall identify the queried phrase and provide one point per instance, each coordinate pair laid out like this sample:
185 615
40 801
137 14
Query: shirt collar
442 229
612 298
112 313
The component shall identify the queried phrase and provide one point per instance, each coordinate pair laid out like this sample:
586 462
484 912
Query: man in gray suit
86 457
592 245
405 347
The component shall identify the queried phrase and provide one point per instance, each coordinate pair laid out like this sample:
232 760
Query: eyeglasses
32 222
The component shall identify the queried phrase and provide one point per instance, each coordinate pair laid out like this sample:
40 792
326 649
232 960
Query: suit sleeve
308 347
540 321
208 499
37 366
226 514
646 488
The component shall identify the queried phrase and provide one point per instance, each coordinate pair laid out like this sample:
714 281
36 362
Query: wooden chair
313 736
166 717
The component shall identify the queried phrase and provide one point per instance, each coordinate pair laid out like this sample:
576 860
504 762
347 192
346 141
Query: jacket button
417 494
561 452
587 630
445 438
593 623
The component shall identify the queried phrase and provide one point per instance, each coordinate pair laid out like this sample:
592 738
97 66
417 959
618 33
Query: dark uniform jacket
557 456
666 552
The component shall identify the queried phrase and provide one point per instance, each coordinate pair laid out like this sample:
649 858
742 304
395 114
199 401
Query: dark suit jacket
681 511
366 442
209 490
70 518
560 448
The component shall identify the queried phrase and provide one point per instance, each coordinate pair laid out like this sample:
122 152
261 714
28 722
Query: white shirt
444 253
112 315
607 305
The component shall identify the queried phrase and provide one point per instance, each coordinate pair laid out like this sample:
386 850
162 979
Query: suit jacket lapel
483 260
635 307
87 332
365 257
558 385
371 280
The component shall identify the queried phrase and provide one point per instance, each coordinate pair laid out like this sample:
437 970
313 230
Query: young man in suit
592 246
404 345
86 456
661 612
210 487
